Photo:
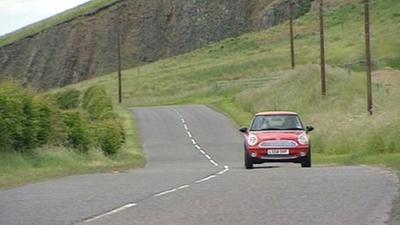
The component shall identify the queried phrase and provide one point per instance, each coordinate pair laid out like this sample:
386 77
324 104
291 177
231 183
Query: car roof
276 113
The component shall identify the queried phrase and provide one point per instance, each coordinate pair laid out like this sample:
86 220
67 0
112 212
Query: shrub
9 122
109 133
26 138
69 99
12 118
78 135
97 103
109 136
43 121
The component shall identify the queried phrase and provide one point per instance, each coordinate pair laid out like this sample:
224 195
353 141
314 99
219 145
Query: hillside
344 131
81 43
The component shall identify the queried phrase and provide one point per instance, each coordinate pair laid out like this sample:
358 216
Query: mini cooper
277 137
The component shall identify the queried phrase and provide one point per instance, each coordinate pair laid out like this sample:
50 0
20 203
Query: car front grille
278 144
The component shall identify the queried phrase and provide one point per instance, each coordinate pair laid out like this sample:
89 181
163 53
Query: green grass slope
54 20
344 131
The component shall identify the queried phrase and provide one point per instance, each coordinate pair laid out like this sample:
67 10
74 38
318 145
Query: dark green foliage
29 120
78 135
69 99
9 120
44 117
26 138
14 110
97 103
109 133
25 119
110 137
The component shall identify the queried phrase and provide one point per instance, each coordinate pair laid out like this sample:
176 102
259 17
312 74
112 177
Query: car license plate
278 152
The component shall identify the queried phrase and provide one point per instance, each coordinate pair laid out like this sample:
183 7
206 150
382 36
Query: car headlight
303 139
252 140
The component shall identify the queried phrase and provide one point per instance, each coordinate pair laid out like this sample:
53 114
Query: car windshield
276 122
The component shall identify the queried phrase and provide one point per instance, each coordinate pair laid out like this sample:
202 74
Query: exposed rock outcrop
150 30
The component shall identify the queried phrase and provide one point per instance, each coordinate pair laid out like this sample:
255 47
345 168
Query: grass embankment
345 133
53 21
62 134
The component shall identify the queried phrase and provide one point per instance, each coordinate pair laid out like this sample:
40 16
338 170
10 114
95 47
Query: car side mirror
243 130
309 129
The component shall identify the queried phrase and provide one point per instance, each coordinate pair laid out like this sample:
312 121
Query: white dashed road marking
183 187
127 206
206 179
165 192
202 151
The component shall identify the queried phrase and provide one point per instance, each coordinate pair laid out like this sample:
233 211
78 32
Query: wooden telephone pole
293 63
323 69
368 56
119 66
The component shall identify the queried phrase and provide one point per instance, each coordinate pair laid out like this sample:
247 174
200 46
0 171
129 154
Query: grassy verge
52 162
391 161
360 157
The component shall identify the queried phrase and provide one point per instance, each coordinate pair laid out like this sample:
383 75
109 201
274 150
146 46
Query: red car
277 137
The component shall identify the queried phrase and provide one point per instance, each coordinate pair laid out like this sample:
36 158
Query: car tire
248 161
306 162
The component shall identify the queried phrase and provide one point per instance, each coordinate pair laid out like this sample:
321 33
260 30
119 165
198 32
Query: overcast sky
15 14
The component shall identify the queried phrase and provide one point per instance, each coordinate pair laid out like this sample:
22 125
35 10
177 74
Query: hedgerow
29 120
108 130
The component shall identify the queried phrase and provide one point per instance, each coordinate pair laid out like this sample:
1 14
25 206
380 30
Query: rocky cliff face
149 30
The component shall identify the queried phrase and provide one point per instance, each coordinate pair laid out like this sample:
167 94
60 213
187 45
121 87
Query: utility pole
368 56
322 42
291 34
119 65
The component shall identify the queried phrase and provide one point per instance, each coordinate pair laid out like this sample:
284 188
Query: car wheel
248 162
306 162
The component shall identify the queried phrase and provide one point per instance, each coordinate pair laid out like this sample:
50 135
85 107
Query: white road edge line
224 171
213 162
183 187
165 192
127 206
206 179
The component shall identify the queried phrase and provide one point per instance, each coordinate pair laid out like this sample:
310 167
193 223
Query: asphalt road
195 176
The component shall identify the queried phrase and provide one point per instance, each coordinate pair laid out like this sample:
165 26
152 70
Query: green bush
10 117
44 122
78 135
109 136
69 99
97 103
26 138
29 120
16 113
109 133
